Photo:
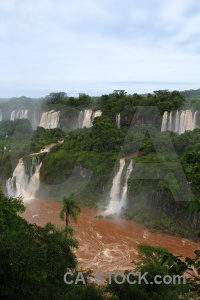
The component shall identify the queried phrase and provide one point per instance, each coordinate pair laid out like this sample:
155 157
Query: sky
97 45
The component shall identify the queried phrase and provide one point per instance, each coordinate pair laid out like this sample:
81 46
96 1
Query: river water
106 244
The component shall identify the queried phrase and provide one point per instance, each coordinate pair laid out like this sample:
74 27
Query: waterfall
182 121
0 115
19 114
194 120
26 114
115 191
189 120
50 119
12 117
122 203
164 121
170 122
55 119
43 120
118 197
87 120
97 113
118 119
186 121
179 121
22 184
86 117
80 119
25 183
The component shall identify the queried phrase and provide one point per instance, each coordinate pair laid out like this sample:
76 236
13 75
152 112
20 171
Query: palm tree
70 209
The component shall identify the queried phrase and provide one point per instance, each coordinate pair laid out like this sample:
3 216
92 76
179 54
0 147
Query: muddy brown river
106 244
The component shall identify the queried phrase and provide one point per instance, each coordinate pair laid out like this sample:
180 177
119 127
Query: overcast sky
52 45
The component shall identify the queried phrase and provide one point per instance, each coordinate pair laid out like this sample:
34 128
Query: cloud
53 41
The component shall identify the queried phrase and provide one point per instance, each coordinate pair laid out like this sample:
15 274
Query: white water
170 121
118 119
194 120
50 119
26 185
118 198
86 117
87 120
80 119
164 121
97 113
123 200
0 115
179 121
23 185
19 114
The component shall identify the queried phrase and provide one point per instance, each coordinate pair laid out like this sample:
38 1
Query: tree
70 209
33 259
56 98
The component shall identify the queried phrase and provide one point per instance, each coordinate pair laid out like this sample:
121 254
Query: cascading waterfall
164 121
80 119
87 120
25 183
179 121
12 117
50 119
43 120
26 114
123 201
97 113
55 119
194 120
118 119
22 184
86 117
19 114
118 196
170 121
1 116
